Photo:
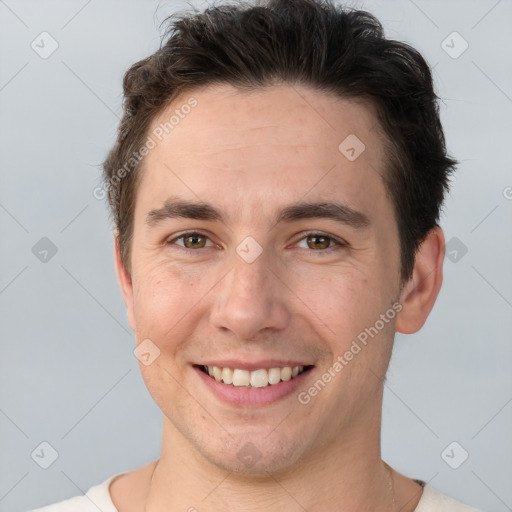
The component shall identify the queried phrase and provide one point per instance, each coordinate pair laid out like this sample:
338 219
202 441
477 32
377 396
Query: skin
250 154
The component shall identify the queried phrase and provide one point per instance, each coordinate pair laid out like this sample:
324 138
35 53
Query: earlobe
125 282
420 292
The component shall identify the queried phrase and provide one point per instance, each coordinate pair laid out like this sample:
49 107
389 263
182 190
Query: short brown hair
312 42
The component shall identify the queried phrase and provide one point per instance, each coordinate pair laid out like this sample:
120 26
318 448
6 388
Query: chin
254 456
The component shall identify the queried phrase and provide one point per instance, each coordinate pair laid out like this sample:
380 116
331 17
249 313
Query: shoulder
96 498
434 501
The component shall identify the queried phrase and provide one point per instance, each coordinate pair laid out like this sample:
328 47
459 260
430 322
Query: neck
345 476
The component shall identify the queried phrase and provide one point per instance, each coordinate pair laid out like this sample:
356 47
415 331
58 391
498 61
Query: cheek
164 308
161 296
343 304
168 301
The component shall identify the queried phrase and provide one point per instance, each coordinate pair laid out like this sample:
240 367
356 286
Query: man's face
254 291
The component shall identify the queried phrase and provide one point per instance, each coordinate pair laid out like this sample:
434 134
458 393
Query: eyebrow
180 208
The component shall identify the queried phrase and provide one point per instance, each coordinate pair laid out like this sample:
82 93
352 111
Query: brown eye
191 240
318 241
321 243
194 241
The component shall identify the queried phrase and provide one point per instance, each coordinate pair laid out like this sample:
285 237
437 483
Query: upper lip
254 365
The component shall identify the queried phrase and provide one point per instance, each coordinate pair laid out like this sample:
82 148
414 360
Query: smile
259 378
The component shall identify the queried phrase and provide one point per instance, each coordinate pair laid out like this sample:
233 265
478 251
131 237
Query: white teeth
257 378
274 375
217 372
227 375
286 373
241 377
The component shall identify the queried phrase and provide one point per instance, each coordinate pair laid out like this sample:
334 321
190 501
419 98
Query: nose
250 299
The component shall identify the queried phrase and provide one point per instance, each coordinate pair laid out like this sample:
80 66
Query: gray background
68 374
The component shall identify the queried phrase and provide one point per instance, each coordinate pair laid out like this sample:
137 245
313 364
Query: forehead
283 141
284 114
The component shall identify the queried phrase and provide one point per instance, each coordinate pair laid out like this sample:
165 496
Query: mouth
258 378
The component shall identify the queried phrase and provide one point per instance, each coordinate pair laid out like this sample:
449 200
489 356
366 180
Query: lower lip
252 397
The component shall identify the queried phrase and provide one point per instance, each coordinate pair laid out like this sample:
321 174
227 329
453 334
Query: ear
125 282
420 292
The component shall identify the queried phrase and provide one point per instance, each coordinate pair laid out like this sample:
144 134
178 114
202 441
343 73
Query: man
275 188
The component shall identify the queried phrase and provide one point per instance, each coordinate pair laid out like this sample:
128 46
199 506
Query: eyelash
339 244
